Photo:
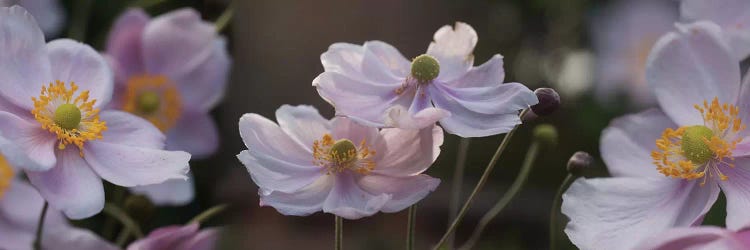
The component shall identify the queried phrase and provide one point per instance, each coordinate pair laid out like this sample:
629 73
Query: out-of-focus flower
306 163
574 75
733 16
377 86
187 237
48 13
669 164
622 35
698 238
51 126
171 70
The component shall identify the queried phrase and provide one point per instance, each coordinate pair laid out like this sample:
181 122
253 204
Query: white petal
302 202
627 142
175 192
737 190
732 15
25 144
350 201
77 62
407 152
274 174
303 123
404 191
128 166
453 48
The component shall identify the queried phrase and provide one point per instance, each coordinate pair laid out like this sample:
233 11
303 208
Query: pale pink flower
698 238
186 237
733 16
48 13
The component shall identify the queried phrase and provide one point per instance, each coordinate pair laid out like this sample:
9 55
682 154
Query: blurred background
589 50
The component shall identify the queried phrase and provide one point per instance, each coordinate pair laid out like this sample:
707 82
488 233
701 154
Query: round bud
424 68
139 207
549 101
546 134
579 162
67 116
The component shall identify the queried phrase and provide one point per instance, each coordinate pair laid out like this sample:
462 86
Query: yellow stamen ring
338 156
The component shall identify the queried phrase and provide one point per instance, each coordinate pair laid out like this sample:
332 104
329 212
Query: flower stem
480 183
40 227
79 24
554 211
147 3
517 185
118 194
411 227
123 237
208 214
225 17
128 223
458 179
339 231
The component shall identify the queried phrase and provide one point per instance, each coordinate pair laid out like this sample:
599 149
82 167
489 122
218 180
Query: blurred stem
458 181
554 211
225 17
40 227
208 214
128 223
517 185
480 184
339 231
123 237
146 3
411 227
79 24
118 194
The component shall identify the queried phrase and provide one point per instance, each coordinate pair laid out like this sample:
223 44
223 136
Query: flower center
68 114
338 156
154 98
425 68
698 151
6 175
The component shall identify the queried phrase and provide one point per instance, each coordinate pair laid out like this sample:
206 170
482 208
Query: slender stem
225 17
79 24
554 211
40 227
123 237
517 185
411 227
339 231
118 194
147 3
208 214
480 184
458 180
125 220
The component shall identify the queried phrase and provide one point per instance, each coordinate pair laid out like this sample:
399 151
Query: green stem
225 17
517 185
554 211
125 220
480 184
79 24
40 227
118 194
208 214
339 231
411 227
458 179
123 237
147 3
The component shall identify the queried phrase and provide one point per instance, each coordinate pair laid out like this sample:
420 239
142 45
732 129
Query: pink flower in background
669 165
48 13
306 163
51 126
622 34
377 86
696 238
171 70
732 15
178 238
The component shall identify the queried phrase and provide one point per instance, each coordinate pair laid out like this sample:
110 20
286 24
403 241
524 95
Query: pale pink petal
203 85
71 186
349 201
732 15
50 14
264 137
205 239
406 152
173 192
619 212
124 44
301 202
76 62
25 66
195 133
737 190
489 73
743 103
692 238
128 129
128 166
492 98
383 63
75 239
303 123
20 207
453 48
165 237
627 142
403 191
344 128
25 144
399 117
276 174
690 66
343 58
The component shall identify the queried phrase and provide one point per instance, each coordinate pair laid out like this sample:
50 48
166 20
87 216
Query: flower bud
546 134
140 208
549 101
579 162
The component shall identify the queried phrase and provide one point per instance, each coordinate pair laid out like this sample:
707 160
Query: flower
375 85
703 237
730 15
306 163
171 70
622 34
186 237
52 127
48 13
669 164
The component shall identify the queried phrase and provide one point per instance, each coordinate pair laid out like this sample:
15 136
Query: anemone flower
375 85
669 164
733 16
306 163
48 13
697 238
51 125
186 237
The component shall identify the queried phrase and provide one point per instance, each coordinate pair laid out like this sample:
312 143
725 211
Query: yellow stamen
6 176
338 156
154 98
47 111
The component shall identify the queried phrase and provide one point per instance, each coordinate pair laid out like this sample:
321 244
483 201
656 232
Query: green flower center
148 102
67 116
343 151
694 144
424 68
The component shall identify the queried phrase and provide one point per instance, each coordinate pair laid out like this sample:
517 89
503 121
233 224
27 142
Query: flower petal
20 207
124 44
264 137
350 201
173 192
25 144
493 98
691 238
128 129
400 117
77 62
71 186
487 74
25 66
165 237
203 240
627 142
690 66
344 128
48 13
743 103
453 47
203 86
403 191
467 123
407 152
301 202
128 166
737 190
382 63
303 123
195 133
274 174
619 212
732 15
75 239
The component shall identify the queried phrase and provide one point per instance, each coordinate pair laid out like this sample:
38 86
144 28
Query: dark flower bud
549 101
579 162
